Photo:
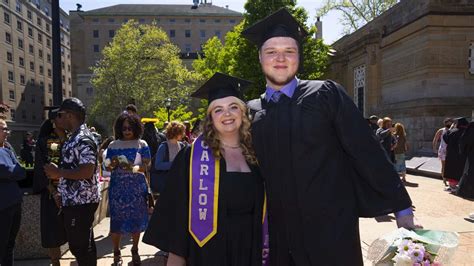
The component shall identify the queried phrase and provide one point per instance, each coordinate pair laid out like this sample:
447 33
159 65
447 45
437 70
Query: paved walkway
435 209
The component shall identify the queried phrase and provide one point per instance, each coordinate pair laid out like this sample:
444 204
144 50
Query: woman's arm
160 164
436 139
175 260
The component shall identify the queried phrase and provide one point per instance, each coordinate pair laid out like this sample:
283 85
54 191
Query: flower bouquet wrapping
413 248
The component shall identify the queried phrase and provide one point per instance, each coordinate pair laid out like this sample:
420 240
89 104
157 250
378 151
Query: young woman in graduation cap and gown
211 211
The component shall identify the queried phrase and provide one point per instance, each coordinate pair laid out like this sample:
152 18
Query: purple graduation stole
204 195
203 192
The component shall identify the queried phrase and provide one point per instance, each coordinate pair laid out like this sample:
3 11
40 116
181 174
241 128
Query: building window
18 6
187 33
9 57
30 32
50 88
62 64
111 20
20 43
8 37
202 33
172 33
41 70
217 21
32 66
21 61
12 94
10 76
64 92
12 114
29 15
19 26
48 58
40 37
95 33
187 48
202 21
172 20
217 33
40 53
95 20
96 48
68 68
187 20
47 27
69 81
359 87
48 42
46 11
22 79
41 85
49 72
89 91
111 33
471 58
232 21
31 49
32 80
39 21
6 17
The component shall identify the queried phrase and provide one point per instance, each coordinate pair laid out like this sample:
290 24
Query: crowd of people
281 180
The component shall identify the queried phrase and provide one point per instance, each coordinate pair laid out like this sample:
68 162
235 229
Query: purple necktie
276 96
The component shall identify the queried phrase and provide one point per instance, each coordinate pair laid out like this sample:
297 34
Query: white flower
402 260
107 162
54 146
405 246
416 255
136 169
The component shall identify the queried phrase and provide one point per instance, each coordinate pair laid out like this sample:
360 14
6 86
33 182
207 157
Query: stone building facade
26 57
414 63
188 26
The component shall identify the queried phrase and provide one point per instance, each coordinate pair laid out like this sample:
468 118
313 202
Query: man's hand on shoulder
408 222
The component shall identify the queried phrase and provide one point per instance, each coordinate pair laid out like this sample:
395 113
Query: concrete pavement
435 209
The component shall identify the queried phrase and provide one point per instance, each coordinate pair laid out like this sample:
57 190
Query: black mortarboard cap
52 111
279 24
461 121
220 86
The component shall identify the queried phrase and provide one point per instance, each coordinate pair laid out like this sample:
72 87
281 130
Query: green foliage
180 113
356 13
239 58
140 65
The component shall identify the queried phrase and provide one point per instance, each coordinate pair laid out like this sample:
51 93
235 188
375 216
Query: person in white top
441 149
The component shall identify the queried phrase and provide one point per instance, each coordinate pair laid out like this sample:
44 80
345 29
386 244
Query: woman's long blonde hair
400 130
212 140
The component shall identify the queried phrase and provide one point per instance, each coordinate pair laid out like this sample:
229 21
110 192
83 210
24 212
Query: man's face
279 58
4 131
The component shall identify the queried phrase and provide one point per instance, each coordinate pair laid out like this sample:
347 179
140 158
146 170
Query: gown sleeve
144 150
40 181
168 226
378 188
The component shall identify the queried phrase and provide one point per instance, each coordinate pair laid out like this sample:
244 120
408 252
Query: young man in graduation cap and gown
322 165
211 211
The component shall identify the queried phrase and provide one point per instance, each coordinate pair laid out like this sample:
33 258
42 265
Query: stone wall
416 58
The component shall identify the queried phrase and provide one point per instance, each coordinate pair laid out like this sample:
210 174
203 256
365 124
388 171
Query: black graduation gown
466 185
323 168
239 234
455 158
51 224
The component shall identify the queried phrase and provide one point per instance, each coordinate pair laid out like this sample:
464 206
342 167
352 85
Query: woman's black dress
238 241
52 228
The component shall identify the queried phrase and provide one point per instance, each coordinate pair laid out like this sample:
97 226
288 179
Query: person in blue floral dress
127 158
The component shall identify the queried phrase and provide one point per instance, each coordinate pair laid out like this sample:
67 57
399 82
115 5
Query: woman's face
127 131
226 115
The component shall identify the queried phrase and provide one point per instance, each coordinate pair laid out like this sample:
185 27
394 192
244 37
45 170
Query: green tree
356 13
140 65
180 113
239 58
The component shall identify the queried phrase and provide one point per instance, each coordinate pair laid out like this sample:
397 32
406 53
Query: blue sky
332 29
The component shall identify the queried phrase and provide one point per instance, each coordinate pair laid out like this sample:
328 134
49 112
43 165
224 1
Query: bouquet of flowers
413 248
